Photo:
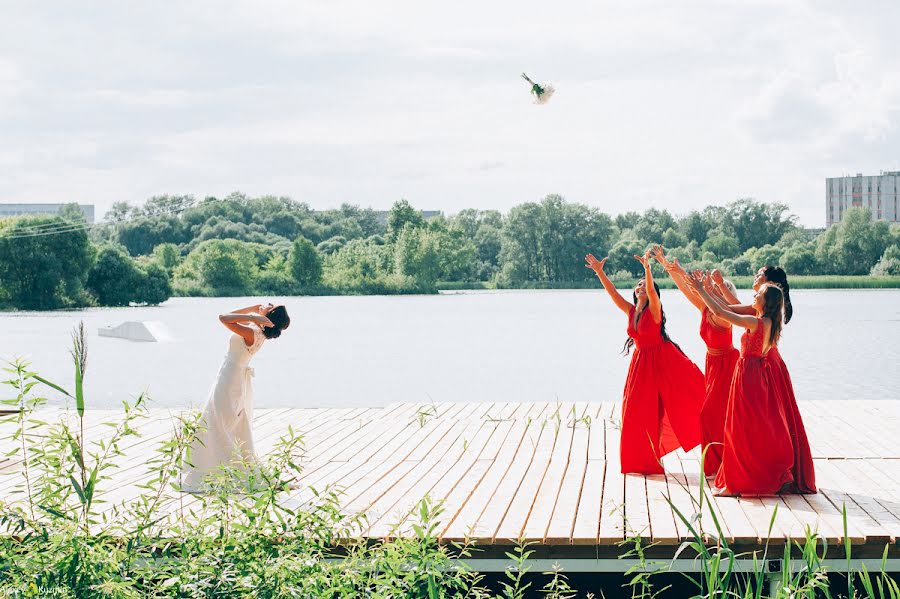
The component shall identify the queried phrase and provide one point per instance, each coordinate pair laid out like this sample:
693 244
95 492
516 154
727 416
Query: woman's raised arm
718 308
597 266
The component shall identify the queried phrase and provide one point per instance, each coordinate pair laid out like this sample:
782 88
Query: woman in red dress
758 453
721 357
664 389
803 470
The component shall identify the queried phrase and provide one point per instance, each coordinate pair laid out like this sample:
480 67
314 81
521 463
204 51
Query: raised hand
594 264
694 279
717 277
645 259
263 321
657 252
675 266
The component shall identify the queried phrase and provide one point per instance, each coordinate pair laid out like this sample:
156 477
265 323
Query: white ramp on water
138 331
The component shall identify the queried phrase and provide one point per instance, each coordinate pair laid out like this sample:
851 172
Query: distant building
36 209
880 193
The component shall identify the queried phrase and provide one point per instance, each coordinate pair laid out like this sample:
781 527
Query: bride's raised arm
236 322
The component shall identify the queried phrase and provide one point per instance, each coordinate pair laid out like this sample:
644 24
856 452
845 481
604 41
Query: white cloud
674 105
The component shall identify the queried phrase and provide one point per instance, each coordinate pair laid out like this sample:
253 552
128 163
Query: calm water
472 346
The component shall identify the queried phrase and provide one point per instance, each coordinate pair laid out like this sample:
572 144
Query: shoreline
823 282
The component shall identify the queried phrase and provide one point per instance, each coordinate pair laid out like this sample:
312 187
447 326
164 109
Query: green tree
767 255
653 224
155 285
141 235
167 256
417 254
225 266
695 226
114 277
364 265
800 259
673 238
403 215
43 271
756 224
720 244
621 256
305 263
627 220
853 246
889 265
548 241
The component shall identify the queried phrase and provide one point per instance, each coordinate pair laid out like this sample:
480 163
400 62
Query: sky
672 105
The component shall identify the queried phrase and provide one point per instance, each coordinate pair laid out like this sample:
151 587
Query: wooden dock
549 473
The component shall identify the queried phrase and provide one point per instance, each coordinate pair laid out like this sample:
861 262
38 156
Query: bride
225 437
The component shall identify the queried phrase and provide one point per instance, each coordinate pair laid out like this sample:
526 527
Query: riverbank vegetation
269 245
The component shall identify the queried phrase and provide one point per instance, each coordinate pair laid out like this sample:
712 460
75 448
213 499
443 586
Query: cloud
489 165
674 105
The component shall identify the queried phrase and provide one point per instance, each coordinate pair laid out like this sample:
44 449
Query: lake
460 346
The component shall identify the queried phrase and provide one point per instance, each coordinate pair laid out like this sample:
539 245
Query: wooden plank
587 518
457 487
733 520
831 483
512 526
497 509
612 511
868 489
637 510
561 527
662 519
392 509
547 494
470 521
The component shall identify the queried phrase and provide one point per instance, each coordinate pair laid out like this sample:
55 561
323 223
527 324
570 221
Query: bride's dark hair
280 321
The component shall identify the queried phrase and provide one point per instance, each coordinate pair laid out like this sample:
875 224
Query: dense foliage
240 245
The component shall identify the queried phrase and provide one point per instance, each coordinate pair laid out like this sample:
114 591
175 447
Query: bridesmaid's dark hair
629 342
280 321
776 274
773 308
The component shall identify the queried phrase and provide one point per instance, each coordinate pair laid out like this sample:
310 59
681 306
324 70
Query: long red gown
721 357
803 471
758 453
661 402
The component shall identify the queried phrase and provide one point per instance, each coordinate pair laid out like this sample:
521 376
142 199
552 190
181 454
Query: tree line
240 245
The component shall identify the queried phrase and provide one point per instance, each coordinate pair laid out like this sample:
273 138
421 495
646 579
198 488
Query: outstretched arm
719 309
725 292
597 266
248 310
652 297
237 323
677 272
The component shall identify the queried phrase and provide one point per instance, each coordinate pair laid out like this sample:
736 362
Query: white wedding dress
225 437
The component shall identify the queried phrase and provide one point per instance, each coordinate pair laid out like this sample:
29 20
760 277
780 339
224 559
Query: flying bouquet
542 91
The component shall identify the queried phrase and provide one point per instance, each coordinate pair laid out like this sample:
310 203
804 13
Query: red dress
758 454
661 402
803 470
721 357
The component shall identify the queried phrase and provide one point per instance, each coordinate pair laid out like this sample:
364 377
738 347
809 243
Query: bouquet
542 91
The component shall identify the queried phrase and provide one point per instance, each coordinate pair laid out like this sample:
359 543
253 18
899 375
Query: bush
305 263
274 282
117 280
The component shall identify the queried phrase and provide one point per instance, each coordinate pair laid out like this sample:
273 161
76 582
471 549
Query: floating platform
136 330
